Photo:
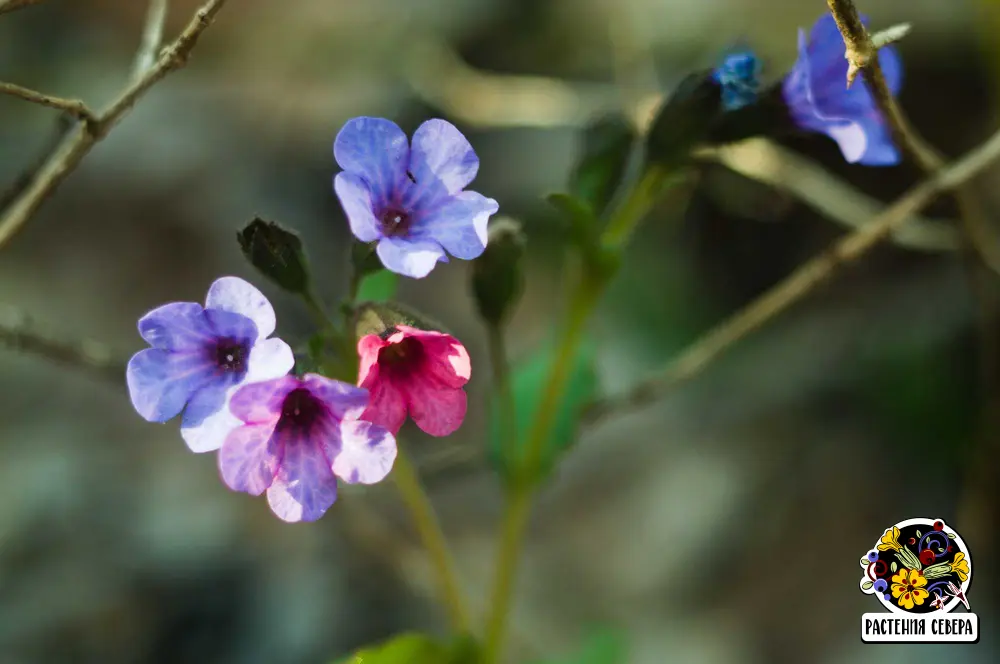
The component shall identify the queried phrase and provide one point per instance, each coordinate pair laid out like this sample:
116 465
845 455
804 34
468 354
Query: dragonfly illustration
955 591
938 602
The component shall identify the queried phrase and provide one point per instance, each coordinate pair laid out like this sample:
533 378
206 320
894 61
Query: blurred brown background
721 525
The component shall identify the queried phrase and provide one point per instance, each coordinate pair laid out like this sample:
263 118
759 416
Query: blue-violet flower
201 355
409 196
298 435
738 76
819 100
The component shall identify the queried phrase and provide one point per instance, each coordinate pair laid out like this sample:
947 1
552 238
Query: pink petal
257 403
250 458
363 454
368 349
386 405
446 362
342 400
305 486
438 412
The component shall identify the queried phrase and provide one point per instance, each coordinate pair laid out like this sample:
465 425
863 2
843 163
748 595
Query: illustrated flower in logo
890 540
960 566
908 587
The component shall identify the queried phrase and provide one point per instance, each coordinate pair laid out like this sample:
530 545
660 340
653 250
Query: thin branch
77 144
11 5
152 37
19 333
74 107
799 284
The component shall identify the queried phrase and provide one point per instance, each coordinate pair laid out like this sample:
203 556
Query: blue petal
161 382
229 325
208 400
376 150
305 486
892 68
237 296
414 258
460 224
356 199
176 326
440 153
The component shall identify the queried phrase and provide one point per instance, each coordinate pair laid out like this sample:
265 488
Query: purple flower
299 435
201 355
409 197
819 100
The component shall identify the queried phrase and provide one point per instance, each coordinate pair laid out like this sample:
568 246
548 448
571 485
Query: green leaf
602 647
528 380
604 153
378 286
414 648
867 585
584 230
918 533
277 253
893 566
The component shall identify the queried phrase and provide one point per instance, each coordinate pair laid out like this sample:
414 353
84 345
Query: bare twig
75 147
11 5
152 37
799 284
18 332
782 169
74 107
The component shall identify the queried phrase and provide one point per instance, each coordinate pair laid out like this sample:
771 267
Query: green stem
426 522
517 511
496 340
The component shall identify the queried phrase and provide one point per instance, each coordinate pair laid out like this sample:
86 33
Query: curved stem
496 340
425 520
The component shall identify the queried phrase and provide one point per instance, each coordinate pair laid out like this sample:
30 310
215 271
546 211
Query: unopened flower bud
277 253
497 276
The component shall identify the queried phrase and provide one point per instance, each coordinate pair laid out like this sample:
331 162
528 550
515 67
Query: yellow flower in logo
908 588
960 566
890 540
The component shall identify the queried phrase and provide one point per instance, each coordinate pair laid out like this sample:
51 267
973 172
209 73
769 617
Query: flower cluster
295 437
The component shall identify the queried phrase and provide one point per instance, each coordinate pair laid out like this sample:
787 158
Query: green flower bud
276 253
497 275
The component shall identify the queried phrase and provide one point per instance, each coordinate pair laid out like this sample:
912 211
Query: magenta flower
417 372
298 435
201 355
410 198
819 100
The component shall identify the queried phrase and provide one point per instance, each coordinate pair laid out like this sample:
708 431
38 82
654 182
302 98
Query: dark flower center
301 409
395 221
231 355
402 359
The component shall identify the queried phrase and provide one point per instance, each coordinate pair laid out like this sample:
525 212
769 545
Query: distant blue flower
737 75
819 100
409 197
201 355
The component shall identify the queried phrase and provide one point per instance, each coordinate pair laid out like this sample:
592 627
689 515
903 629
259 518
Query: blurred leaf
584 229
380 317
604 153
413 648
497 275
528 380
276 253
684 120
378 286
602 647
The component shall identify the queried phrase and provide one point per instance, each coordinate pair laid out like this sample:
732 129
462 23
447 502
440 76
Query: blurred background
721 524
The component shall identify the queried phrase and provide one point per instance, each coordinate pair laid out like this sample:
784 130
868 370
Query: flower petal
305 486
459 225
363 454
410 258
207 419
250 458
446 363
356 199
342 399
271 358
440 152
438 412
161 382
375 149
256 403
387 405
176 326
241 297
368 350
851 139
230 325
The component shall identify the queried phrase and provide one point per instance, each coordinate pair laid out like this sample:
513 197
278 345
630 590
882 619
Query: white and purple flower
201 355
819 100
298 435
409 196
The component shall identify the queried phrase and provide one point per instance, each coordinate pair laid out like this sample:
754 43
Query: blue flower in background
410 198
819 100
737 75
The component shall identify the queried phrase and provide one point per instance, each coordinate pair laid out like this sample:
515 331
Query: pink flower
417 372
298 436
